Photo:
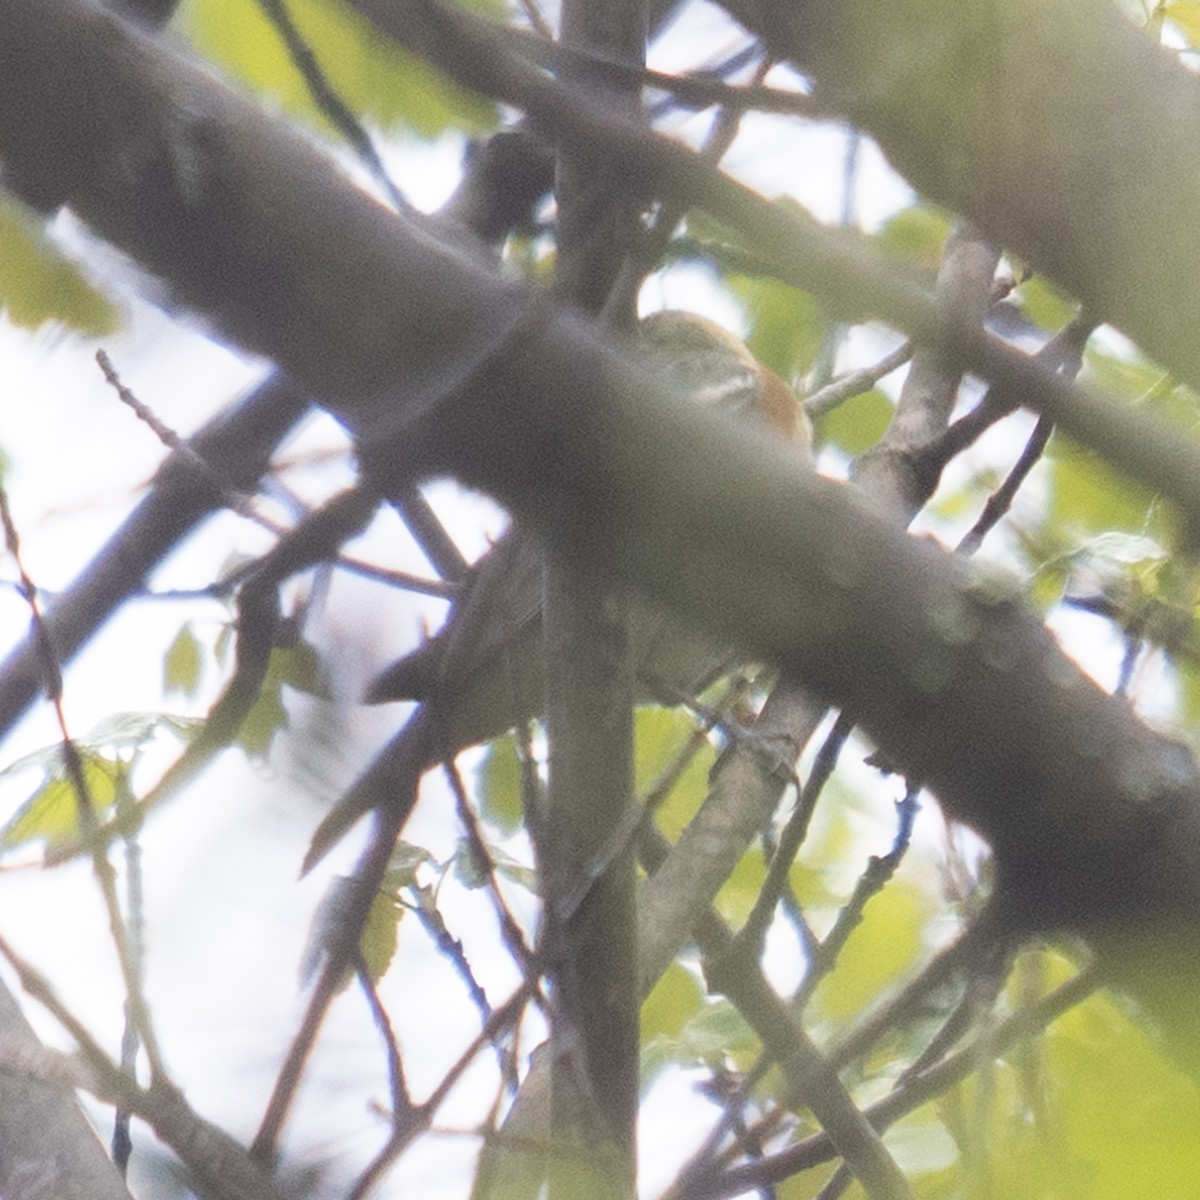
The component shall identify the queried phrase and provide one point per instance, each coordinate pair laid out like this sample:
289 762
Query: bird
482 672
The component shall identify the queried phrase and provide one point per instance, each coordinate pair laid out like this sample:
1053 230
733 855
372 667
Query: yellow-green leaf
380 934
183 663
917 235
878 953
857 424
370 74
1185 16
498 781
51 814
674 1000
660 735
39 284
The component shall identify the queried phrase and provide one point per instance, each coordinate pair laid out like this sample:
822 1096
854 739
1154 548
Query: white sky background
227 917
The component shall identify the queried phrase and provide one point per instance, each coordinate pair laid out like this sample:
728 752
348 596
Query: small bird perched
483 672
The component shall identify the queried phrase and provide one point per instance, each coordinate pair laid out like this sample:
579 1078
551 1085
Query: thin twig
326 98
239 502
504 1018
854 383
139 1012
402 1105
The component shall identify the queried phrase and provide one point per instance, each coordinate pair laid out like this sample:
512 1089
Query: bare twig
329 102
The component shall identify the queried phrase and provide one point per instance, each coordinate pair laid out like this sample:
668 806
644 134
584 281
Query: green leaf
786 325
380 935
467 868
1185 16
1044 303
513 869
718 1033
407 859
1088 497
916 235
183 663
126 731
879 951
739 892
673 1001
857 424
51 814
1126 1113
371 75
498 783
660 735
293 665
299 666
267 715
807 1185
38 284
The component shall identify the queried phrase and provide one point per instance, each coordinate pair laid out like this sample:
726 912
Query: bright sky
227 918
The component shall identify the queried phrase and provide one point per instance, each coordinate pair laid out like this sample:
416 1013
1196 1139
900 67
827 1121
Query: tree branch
440 364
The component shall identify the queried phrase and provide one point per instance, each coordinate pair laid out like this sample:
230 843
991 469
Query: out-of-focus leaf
467 868
1185 16
1044 303
739 892
674 1000
267 716
380 934
920 1144
692 786
407 859
299 667
785 325
660 736
1120 373
1173 402
857 424
1088 498
513 869
38 284
717 1033
880 951
370 74
1125 1111
498 782
917 235
118 731
183 663
295 666
808 1184
51 814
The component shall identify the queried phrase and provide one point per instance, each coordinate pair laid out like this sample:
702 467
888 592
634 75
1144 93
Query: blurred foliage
1185 16
1090 1108
883 949
107 758
376 79
183 664
1043 302
498 785
786 325
858 423
39 285
296 666
916 236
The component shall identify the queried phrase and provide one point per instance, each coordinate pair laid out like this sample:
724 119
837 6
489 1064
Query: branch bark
48 1151
440 364
591 951
1061 130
